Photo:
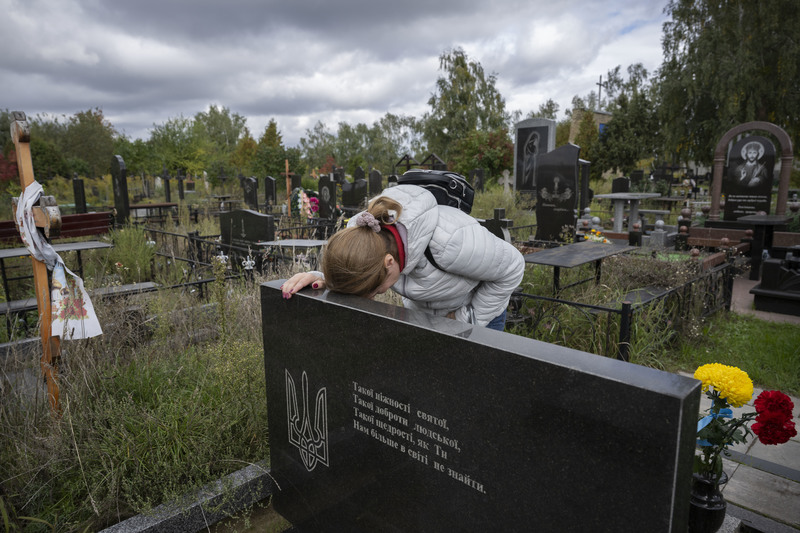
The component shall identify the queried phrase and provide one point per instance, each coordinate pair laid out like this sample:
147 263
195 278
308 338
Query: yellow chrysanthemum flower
732 383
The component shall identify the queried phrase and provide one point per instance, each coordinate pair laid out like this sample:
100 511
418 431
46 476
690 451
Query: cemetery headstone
250 189
79 193
499 225
620 185
354 194
327 196
244 227
533 137
556 193
119 178
297 181
338 175
476 177
586 193
359 174
166 177
637 177
748 183
375 182
270 191
478 430
181 178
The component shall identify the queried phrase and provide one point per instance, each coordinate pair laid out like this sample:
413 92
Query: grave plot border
714 296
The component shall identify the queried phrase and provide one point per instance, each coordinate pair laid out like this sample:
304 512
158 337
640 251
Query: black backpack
447 187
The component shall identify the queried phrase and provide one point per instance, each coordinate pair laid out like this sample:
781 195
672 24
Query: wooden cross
46 215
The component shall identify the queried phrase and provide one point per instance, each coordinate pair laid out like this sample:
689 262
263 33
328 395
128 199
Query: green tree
490 150
216 134
318 146
466 99
548 109
90 138
270 158
588 138
726 63
244 156
630 136
176 145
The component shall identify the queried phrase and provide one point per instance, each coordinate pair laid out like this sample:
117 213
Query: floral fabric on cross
73 315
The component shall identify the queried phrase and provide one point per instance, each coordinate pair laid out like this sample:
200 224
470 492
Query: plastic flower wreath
595 236
729 386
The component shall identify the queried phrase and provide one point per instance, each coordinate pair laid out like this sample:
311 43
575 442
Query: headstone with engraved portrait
327 196
476 178
557 193
534 137
747 184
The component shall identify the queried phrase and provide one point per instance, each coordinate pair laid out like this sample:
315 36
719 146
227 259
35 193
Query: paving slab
786 454
764 493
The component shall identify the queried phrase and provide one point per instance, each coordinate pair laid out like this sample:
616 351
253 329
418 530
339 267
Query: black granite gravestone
354 194
620 185
119 178
165 178
270 193
327 196
534 137
244 227
499 225
779 290
79 194
375 182
411 422
250 190
748 180
556 193
476 177
181 177
297 181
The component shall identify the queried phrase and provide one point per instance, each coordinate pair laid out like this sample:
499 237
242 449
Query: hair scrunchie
367 219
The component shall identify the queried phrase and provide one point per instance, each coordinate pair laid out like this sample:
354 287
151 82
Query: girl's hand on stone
298 281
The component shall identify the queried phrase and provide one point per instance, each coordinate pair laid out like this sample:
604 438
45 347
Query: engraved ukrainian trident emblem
311 440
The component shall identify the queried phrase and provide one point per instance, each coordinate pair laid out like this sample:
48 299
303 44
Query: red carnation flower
774 401
774 433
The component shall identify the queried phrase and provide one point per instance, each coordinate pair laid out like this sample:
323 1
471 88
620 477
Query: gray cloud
147 61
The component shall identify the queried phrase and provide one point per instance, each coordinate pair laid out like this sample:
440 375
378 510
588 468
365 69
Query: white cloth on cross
71 308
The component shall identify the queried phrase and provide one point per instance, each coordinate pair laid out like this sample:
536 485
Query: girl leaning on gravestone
438 258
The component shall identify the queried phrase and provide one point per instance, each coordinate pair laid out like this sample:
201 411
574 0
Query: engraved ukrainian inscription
423 436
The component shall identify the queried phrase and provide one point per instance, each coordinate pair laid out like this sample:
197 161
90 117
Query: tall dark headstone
119 178
375 182
476 177
556 193
637 177
534 137
327 196
181 178
297 181
166 177
79 193
338 175
359 174
243 227
250 190
442 426
748 181
354 194
584 167
270 191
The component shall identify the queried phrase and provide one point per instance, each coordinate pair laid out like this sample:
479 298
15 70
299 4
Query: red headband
401 252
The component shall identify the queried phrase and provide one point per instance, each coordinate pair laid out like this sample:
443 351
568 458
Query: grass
172 397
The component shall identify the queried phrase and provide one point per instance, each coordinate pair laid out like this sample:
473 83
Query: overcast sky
299 61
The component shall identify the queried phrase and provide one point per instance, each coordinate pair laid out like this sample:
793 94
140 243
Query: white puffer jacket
477 268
